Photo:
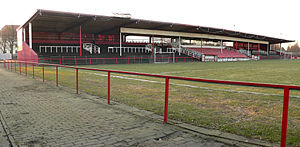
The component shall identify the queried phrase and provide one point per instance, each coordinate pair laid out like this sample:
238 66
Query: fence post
108 87
15 66
43 73
166 100
284 117
20 67
26 69
90 61
11 66
116 60
139 60
56 76
77 80
33 71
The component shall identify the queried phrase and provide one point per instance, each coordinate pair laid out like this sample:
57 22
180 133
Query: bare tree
9 38
294 48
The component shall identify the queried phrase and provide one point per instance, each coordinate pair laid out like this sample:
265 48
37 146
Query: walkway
40 114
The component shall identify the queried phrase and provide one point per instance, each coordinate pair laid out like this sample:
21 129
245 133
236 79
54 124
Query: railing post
127 60
284 117
108 87
26 69
166 100
116 60
77 80
56 76
90 61
15 66
33 71
4 64
43 73
20 68
11 66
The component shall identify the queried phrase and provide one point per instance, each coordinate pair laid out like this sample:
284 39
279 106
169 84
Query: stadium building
74 38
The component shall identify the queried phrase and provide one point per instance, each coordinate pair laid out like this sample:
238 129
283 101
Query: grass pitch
249 111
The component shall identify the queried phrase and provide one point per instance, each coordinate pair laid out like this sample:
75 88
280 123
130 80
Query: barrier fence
12 65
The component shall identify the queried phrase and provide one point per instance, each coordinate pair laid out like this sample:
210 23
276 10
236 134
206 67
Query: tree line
294 48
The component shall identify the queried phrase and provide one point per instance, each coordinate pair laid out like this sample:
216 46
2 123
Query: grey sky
275 18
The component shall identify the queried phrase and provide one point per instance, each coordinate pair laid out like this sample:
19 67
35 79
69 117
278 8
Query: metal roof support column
268 46
30 35
221 46
258 46
80 41
120 44
201 45
280 48
179 45
248 48
24 34
153 45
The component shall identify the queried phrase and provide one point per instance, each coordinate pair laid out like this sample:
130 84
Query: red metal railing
287 88
119 60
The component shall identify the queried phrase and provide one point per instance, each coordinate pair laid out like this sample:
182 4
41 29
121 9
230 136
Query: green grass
250 115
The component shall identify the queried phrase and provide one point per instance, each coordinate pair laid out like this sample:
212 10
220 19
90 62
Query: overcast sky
274 18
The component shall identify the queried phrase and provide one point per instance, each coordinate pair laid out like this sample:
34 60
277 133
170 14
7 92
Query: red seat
217 52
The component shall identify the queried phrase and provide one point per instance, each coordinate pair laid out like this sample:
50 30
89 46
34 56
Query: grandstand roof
55 21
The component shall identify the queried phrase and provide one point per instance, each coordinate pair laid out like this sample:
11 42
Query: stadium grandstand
52 36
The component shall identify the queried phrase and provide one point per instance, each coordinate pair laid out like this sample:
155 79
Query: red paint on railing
26 69
77 80
56 76
33 71
43 73
284 117
108 87
20 67
166 100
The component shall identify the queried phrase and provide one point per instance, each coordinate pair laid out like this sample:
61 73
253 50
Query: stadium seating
220 54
